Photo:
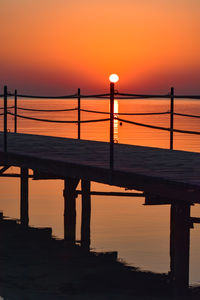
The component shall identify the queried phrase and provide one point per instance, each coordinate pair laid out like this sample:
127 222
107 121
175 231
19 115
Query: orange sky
56 46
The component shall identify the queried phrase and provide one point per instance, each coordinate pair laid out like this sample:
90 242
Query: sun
113 78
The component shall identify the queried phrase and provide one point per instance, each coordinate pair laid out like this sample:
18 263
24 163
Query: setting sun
113 78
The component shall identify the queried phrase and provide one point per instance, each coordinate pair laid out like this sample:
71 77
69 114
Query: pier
161 176
165 177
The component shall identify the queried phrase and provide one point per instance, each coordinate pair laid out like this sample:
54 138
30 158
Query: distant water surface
139 233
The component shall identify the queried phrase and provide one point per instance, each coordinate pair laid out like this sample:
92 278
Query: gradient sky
56 46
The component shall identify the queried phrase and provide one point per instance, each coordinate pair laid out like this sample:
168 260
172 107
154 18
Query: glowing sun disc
113 78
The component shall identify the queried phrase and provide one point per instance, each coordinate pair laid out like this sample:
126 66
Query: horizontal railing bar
102 112
187 96
158 127
186 115
44 97
143 95
95 111
46 110
133 114
7 107
58 121
87 110
95 96
160 96
144 114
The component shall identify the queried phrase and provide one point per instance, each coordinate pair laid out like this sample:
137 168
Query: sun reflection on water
116 111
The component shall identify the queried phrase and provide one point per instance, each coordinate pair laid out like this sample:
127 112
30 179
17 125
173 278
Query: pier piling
69 193
79 114
171 118
24 198
112 93
15 107
5 118
179 246
86 214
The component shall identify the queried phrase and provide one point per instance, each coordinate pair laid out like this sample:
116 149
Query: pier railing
111 114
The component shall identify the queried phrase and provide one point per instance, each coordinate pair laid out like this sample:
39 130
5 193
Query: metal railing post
112 91
5 118
15 120
79 114
172 119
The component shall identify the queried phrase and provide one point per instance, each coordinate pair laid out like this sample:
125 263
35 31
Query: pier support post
86 214
172 119
69 193
15 119
179 247
5 118
112 95
24 198
79 114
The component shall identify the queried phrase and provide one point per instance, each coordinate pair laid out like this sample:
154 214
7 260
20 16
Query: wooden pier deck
170 174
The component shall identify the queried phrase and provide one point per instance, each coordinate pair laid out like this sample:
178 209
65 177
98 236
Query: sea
140 234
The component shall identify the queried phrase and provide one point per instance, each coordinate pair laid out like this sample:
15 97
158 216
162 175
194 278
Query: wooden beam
44 176
5 168
14 175
115 194
195 220
156 200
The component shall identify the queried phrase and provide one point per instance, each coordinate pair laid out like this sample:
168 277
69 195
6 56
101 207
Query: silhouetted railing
171 96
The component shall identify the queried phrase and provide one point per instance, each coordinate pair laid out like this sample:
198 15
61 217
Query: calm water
139 233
